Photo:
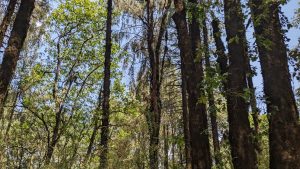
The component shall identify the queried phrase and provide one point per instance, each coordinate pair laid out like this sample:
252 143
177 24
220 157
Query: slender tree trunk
240 137
11 114
253 105
166 147
281 105
156 70
15 43
185 116
106 89
253 102
7 20
222 58
197 113
211 98
154 114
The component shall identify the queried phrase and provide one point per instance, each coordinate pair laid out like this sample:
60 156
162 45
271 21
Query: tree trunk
240 137
253 105
7 20
154 114
106 89
166 147
222 58
284 127
156 70
95 128
211 98
197 113
15 43
185 116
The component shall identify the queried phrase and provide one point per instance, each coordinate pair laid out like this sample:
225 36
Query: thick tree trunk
240 134
106 90
211 99
185 116
7 20
284 127
15 43
197 113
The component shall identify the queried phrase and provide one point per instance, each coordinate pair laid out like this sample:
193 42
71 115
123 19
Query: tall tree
7 19
194 76
156 67
281 105
185 117
15 43
106 89
240 137
222 58
211 98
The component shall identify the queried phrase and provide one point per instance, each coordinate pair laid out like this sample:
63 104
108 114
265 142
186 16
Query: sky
293 34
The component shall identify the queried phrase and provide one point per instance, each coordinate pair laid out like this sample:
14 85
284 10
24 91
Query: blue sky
293 34
289 11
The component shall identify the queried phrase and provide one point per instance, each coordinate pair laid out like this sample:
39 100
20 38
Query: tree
194 76
240 135
106 89
156 68
7 19
211 98
15 43
281 105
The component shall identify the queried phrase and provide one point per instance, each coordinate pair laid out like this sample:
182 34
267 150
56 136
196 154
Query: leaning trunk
281 105
7 20
220 52
15 43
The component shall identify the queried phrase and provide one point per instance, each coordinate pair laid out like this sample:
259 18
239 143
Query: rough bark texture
284 127
15 43
240 134
106 89
7 20
185 116
197 114
211 99
154 115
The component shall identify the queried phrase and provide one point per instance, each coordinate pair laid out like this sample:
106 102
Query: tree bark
197 113
253 105
222 58
106 89
154 114
15 43
185 116
281 105
166 146
211 99
240 134
156 69
7 20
